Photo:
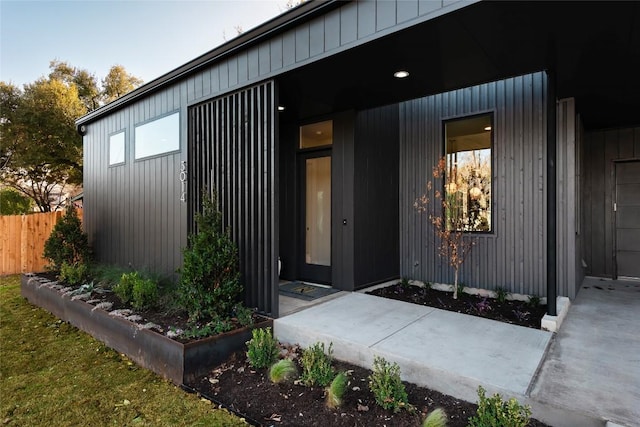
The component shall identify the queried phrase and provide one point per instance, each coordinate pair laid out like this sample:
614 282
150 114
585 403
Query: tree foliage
40 150
118 82
13 203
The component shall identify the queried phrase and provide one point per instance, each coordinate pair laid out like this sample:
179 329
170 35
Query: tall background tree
40 150
118 82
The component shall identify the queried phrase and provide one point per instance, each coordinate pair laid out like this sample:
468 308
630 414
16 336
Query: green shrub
501 294
263 348
534 301
316 365
216 326
134 289
243 314
284 370
387 387
108 276
436 418
124 288
145 293
335 391
209 278
67 243
493 412
73 274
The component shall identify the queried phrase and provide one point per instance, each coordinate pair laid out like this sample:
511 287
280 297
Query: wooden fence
22 240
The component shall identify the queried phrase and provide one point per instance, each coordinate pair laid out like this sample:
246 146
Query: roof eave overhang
274 26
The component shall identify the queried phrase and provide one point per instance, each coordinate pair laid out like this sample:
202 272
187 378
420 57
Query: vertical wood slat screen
232 149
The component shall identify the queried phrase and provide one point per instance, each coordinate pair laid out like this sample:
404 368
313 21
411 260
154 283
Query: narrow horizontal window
316 134
468 189
116 149
158 136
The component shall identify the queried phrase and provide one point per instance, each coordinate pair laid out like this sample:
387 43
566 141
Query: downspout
551 193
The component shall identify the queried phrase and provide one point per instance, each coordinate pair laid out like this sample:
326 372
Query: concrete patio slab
593 366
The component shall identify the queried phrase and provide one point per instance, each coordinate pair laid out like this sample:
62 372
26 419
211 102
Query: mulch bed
509 311
249 392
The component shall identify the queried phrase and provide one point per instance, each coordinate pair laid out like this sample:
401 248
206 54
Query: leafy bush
216 326
316 365
67 243
283 371
210 279
263 348
73 274
133 288
387 387
436 418
335 391
493 412
243 314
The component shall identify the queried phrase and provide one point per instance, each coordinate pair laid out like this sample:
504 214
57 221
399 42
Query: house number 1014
183 181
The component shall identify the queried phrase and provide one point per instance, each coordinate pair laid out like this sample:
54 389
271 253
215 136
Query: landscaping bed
144 336
248 391
517 312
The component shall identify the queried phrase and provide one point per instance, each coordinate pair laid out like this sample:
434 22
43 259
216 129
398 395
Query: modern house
318 147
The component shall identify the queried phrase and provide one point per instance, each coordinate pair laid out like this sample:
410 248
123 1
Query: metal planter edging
180 363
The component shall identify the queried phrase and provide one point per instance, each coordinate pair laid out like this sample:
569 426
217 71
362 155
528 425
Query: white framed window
117 149
159 136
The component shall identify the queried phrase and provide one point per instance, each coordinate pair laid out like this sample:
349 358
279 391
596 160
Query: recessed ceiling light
401 74
487 128
280 107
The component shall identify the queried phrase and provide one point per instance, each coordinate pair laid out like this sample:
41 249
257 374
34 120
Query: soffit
593 46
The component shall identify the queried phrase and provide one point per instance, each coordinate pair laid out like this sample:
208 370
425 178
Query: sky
148 37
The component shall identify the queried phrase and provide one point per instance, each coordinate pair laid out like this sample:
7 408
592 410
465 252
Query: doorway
627 219
315 206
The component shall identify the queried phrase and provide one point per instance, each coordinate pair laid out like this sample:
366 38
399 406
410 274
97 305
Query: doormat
305 291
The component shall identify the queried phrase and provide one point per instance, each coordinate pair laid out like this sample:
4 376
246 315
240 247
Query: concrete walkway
454 353
593 365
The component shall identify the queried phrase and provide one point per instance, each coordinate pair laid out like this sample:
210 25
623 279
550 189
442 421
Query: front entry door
627 219
315 201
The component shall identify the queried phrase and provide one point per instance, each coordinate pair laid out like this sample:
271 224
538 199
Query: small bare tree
444 216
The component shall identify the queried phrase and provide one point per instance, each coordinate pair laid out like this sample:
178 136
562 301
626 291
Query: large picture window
468 192
158 136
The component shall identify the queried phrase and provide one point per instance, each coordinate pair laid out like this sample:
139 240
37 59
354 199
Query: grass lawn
52 374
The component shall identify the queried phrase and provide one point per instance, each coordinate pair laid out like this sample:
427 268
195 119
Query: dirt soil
509 311
249 392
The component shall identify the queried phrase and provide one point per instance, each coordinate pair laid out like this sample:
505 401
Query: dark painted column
551 193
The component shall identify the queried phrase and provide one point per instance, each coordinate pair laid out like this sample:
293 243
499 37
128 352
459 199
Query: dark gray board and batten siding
133 213
232 150
601 149
513 255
